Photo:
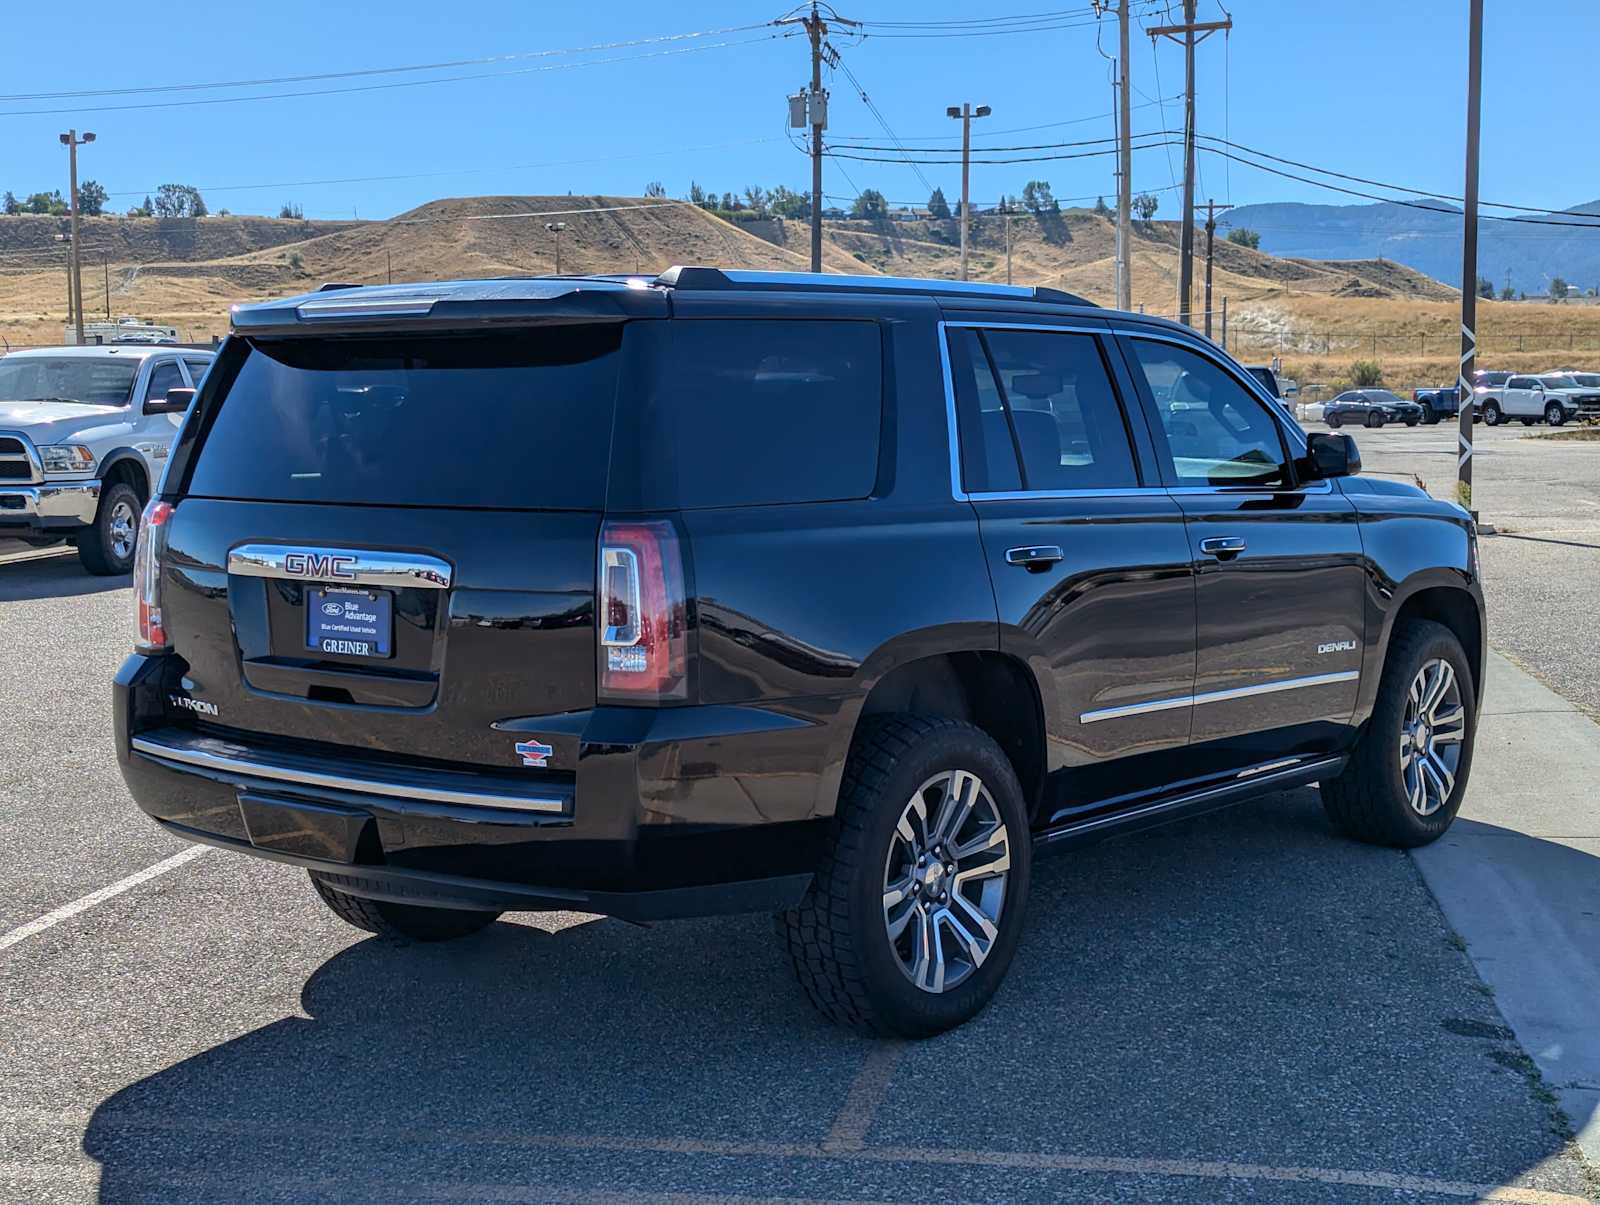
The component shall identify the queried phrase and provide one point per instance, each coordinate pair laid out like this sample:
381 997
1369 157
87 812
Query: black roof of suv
722 591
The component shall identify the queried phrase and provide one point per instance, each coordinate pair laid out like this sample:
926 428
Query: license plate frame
350 622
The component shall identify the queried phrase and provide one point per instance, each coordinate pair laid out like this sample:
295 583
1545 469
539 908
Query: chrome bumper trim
206 753
78 500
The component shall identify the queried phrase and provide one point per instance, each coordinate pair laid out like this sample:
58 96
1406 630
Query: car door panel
1279 571
1094 585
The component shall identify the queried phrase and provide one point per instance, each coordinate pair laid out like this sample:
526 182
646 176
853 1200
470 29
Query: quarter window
1038 412
1217 433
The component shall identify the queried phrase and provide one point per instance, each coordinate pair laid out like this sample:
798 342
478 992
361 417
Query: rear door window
504 421
749 412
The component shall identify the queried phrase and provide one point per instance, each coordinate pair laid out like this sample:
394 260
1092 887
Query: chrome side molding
350 566
1217 696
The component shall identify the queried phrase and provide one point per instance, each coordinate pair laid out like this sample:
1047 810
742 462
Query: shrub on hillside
1364 374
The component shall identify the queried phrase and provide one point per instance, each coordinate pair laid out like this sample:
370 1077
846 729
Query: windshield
1557 380
1589 380
104 382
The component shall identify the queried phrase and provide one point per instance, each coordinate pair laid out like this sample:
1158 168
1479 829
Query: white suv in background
1554 397
84 435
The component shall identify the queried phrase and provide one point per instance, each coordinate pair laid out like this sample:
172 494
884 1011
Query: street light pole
1469 263
966 113
556 228
72 142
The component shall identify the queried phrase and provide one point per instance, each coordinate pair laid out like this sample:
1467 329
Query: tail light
147 577
643 623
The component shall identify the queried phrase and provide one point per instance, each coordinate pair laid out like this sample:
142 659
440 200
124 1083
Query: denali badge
320 565
534 753
198 706
1337 646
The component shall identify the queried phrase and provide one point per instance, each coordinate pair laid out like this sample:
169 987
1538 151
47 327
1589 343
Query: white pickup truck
84 435
1554 397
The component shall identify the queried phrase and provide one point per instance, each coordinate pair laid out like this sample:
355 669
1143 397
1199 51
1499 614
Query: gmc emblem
321 565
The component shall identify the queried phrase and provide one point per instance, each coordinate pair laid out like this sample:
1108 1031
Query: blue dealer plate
350 623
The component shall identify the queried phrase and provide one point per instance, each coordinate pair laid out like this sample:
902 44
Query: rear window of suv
489 421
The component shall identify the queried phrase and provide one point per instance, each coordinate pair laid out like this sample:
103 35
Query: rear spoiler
453 305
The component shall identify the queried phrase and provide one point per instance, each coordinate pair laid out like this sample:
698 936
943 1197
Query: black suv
834 597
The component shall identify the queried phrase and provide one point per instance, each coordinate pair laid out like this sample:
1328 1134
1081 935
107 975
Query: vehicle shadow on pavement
52 577
1247 988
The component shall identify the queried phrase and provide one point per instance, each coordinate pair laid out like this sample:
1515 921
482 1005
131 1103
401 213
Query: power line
881 119
1048 125
267 81
447 79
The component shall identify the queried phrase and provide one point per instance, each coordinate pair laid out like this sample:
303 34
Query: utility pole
556 228
1211 234
105 266
1469 261
72 142
1188 29
66 241
811 107
1124 158
966 113
388 259
1008 248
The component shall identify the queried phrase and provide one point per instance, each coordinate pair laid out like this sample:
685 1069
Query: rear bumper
57 506
613 838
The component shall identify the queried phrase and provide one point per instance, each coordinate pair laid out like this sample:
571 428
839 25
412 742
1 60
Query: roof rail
331 285
683 276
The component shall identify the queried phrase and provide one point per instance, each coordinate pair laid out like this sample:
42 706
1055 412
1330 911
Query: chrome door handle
1035 558
1221 546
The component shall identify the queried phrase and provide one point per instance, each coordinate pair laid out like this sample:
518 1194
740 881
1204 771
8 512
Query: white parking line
67 911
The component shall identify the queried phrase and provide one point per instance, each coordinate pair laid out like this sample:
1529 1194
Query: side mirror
1332 454
176 402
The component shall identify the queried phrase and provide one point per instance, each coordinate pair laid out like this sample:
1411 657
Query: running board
1247 785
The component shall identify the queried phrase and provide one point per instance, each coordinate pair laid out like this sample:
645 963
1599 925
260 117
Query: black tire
1430 416
1335 422
1374 420
1368 800
1492 414
411 922
1412 422
1554 415
1527 422
106 546
837 939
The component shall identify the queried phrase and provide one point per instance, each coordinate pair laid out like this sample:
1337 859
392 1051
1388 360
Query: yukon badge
198 706
1337 646
534 753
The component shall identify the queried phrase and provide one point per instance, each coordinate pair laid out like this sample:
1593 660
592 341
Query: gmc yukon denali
840 598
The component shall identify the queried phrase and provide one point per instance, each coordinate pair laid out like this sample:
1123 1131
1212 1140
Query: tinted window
509 421
1269 382
1216 432
163 377
757 411
988 454
1520 383
197 370
102 380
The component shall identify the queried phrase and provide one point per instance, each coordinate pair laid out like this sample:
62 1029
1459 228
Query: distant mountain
1430 242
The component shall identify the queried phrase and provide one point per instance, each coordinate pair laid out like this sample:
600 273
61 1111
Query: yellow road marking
849 1132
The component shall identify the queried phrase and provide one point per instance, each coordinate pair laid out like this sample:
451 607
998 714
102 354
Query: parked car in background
1280 387
1439 403
1310 412
84 435
1489 379
1372 408
1555 398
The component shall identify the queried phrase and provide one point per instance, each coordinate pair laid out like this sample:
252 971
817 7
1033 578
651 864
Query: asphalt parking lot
1241 1008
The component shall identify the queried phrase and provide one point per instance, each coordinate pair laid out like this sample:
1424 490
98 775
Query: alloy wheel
124 530
1431 736
944 881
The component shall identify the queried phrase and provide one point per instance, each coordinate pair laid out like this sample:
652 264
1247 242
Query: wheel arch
126 465
992 690
1443 597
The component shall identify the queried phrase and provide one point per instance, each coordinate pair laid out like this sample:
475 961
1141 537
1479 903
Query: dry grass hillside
1319 316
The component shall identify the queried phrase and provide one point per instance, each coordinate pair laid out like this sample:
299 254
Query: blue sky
1370 87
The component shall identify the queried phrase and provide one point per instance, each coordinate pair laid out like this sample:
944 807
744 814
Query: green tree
1101 208
1558 287
1037 197
45 202
1508 294
697 195
1364 374
870 204
787 203
1485 288
292 209
179 201
92 197
938 207
1245 237
655 189
11 204
1145 205
756 198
